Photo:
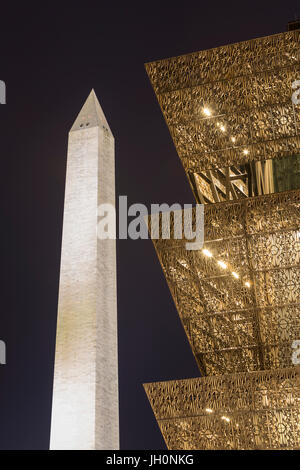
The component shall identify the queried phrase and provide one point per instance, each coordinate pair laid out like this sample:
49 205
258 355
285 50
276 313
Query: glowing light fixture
207 111
245 151
207 253
209 410
235 274
225 418
247 284
222 264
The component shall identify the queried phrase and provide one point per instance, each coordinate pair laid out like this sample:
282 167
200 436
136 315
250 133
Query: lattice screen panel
246 88
231 116
234 326
257 410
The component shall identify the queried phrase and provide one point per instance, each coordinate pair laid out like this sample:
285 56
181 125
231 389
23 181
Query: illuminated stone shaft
85 394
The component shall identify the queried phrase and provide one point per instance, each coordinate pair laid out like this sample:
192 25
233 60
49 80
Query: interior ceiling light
207 111
207 253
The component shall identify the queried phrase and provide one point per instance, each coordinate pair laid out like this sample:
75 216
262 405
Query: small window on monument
81 125
87 123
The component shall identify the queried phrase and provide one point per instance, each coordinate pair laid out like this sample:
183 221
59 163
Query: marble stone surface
85 411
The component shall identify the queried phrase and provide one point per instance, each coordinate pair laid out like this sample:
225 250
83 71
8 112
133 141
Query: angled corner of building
236 129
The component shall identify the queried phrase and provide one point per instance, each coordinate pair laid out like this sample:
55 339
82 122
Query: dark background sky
50 59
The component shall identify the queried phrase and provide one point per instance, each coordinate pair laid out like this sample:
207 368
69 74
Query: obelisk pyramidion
85 411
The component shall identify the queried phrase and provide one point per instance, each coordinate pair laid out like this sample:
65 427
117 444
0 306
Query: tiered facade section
232 327
246 86
257 410
237 131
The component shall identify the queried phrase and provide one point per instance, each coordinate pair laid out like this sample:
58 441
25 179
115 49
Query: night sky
51 57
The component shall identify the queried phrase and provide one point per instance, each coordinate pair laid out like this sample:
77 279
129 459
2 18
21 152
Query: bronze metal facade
246 86
257 410
237 132
232 327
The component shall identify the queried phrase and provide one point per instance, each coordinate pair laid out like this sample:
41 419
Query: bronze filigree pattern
247 87
257 410
237 132
232 327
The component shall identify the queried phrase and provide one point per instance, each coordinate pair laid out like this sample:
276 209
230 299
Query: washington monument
85 411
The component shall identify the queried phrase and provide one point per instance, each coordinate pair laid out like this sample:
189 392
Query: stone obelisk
85 411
